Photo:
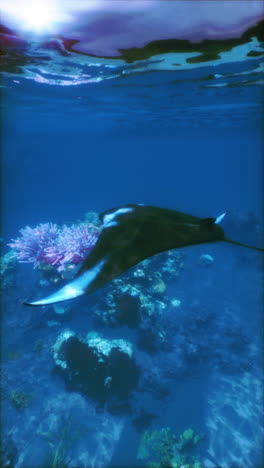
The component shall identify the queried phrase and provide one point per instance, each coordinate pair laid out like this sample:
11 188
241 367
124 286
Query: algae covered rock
98 367
163 448
141 292
20 400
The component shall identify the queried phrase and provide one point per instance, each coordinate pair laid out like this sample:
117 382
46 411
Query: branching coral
31 246
50 244
71 246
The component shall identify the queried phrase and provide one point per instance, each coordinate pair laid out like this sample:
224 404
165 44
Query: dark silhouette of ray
130 234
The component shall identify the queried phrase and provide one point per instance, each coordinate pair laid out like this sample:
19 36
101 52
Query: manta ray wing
130 234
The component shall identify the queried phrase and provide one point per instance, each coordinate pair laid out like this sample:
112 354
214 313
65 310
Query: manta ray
130 234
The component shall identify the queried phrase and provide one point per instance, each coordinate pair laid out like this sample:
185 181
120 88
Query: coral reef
8 452
140 293
162 448
39 346
7 272
31 246
205 339
50 244
13 355
91 217
20 400
72 245
179 338
101 368
7 262
154 382
143 419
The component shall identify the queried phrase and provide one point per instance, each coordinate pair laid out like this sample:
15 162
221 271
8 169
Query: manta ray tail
231 241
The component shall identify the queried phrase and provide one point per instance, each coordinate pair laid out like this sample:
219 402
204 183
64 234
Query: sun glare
37 16
33 15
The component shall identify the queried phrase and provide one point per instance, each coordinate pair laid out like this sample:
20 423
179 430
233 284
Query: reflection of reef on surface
55 61
208 49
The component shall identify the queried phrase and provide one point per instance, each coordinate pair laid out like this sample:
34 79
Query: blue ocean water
188 140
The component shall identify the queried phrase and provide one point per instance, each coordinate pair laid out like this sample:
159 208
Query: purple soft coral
31 246
47 243
72 245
